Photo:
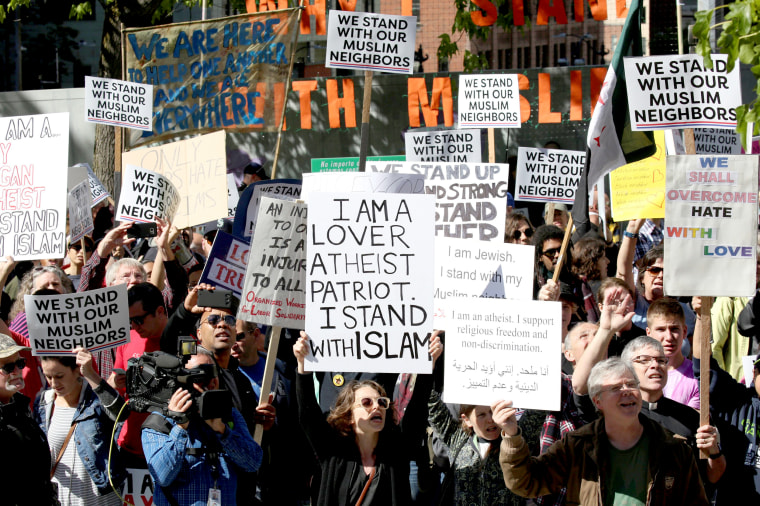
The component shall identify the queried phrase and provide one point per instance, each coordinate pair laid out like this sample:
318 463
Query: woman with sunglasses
518 229
364 456
77 414
77 258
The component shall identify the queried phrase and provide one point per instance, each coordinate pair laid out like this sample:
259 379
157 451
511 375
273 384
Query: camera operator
194 460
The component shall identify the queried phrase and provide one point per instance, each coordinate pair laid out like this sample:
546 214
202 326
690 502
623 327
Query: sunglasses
139 320
78 247
654 270
551 252
368 402
528 233
11 366
214 319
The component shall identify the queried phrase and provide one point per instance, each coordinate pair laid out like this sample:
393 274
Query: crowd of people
628 431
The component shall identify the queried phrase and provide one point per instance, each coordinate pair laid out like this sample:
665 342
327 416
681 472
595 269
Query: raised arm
628 251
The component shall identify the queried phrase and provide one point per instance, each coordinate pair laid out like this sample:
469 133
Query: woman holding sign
364 457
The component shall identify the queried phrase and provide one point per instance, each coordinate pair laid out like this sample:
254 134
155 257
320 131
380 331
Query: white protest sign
489 101
366 41
77 174
137 489
118 103
711 228
480 269
34 151
198 169
443 146
97 190
283 190
679 92
95 319
369 279
717 141
80 212
361 182
145 195
273 292
508 350
548 175
471 199
748 368
233 197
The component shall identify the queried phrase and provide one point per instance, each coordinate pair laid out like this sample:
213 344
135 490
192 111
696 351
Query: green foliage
739 40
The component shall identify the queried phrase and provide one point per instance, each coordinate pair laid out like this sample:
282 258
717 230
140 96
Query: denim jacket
95 416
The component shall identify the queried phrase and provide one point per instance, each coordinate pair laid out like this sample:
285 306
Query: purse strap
366 487
63 448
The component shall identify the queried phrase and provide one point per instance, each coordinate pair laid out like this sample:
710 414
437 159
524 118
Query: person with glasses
518 229
621 458
77 257
363 454
548 244
25 477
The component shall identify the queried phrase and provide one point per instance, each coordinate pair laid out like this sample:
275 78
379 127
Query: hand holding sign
504 416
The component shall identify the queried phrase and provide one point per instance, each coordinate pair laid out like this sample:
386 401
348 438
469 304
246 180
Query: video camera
153 378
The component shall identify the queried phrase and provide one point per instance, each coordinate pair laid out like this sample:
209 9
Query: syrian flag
611 143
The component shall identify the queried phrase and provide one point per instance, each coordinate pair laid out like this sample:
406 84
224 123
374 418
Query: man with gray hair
621 458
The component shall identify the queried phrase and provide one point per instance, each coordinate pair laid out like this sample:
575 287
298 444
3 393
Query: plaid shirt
650 236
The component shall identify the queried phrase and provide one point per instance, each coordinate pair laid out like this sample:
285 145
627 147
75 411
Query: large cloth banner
369 279
711 228
208 75
499 349
34 151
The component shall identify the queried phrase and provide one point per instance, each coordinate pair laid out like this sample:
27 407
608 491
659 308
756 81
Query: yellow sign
638 189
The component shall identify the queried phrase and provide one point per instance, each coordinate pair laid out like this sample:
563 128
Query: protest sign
198 169
118 103
97 190
363 312
489 101
145 196
77 174
637 190
548 175
225 266
361 182
367 41
275 280
347 164
711 230
80 212
212 74
248 205
233 197
443 146
503 350
717 141
95 319
34 151
679 92
480 269
471 199
137 489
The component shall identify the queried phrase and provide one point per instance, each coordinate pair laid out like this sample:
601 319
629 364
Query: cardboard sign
95 319
443 146
226 263
118 103
471 199
198 169
717 141
480 269
503 350
369 281
34 151
347 164
679 92
362 182
637 190
489 101
275 280
145 196
711 230
80 212
366 41
98 192
548 175
138 488
248 206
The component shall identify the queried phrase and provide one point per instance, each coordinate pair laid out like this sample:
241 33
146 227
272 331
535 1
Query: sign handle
266 382
563 249
366 103
704 367
491 147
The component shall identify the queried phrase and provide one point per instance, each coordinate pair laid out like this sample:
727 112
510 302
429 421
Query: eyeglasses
647 359
11 366
654 270
517 234
368 403
617 389
214 319
551 252
139 320
78 247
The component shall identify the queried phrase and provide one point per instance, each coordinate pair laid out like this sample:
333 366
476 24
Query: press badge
214 497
